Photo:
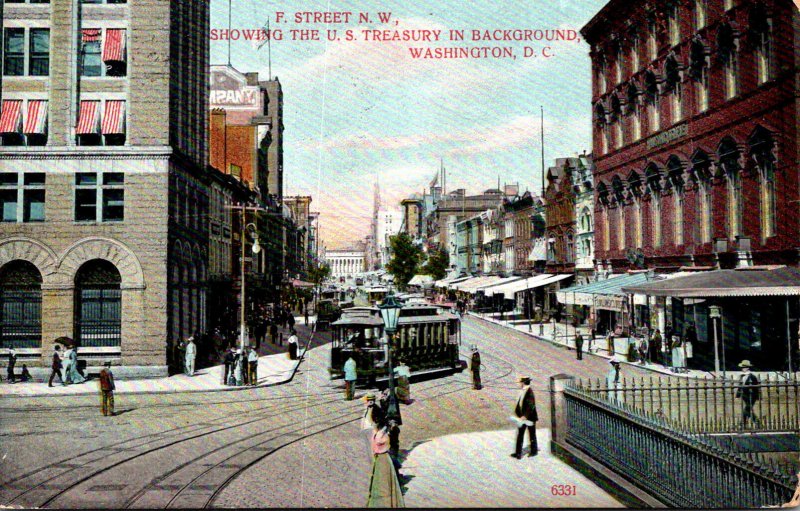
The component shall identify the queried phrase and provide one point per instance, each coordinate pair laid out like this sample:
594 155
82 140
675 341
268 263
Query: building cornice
85 153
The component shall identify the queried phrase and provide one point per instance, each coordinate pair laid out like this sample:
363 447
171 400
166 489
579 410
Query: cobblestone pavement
293 445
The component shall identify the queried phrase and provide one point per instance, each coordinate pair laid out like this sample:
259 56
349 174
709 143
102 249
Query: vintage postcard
262 254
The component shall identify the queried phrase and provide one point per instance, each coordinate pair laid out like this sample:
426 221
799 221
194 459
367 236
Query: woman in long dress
75 376
68 365
384 488
403 389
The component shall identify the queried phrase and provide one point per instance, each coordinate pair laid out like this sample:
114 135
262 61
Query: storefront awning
741 282
447 282
469 286
510 289
420 280
301 283
489 287
603 294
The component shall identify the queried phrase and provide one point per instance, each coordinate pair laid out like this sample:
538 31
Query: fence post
558 422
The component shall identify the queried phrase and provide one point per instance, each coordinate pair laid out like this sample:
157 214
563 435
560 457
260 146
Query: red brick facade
716 156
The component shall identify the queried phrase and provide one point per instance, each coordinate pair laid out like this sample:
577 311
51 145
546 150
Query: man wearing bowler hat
525 411
749 390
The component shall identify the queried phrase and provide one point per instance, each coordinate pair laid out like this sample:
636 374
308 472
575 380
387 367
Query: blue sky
357 111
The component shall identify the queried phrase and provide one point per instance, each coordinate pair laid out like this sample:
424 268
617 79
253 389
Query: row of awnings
612 293
507 286
114 45
35 119
89 119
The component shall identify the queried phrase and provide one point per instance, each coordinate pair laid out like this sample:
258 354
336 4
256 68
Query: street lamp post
390 312
256 249
714 312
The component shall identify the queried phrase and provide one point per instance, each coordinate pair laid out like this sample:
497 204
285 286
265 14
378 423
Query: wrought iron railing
680 470
706 406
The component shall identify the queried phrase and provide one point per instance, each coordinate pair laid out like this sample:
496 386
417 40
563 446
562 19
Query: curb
300 358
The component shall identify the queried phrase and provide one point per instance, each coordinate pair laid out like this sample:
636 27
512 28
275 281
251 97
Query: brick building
103 189
695 132
559 206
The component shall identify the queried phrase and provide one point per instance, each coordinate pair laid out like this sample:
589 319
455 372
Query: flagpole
541 125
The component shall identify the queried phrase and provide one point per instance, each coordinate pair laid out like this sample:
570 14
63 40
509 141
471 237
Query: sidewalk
564 336
272 370
450 471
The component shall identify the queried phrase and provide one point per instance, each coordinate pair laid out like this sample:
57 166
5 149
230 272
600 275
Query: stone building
103 188
412 216
347 262
560 215
584 219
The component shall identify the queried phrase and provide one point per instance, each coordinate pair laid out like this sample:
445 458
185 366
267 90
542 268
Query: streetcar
427 340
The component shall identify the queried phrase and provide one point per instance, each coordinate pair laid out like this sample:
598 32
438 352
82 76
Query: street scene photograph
304 254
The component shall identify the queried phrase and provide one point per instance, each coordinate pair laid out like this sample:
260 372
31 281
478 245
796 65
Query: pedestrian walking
475 367
613 382
643 349
350 377
290 320
305 314
293 345
74 376
260 332
107 388
56 366
191 355
252 363
578 346
749 391
403 388
384 487
677 355
12 361
610 343
525 417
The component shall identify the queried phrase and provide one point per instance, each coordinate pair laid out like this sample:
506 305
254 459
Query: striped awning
114 47
88 117
10 116
36 120
90 35
114 118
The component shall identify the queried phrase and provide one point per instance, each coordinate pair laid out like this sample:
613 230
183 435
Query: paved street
296 444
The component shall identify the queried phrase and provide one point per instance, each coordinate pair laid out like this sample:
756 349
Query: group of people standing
240 368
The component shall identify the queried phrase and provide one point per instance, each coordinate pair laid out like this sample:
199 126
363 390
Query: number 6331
565 490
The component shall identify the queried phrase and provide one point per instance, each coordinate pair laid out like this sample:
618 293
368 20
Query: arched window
698 71
761 151
635 189
600 121
633 110
98 304
672 80
701 175
729 162
760 26
20 305
727 47
616 119
651 98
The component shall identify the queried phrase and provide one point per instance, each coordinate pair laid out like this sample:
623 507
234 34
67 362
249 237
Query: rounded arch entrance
20 305
98 304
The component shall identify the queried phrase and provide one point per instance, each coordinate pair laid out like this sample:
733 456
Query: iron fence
706 406
680 470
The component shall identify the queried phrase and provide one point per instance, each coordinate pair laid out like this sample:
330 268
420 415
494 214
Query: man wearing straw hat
749 390
475 367
526 417
107 388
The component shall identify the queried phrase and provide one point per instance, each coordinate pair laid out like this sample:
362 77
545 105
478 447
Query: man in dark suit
56 367
525 410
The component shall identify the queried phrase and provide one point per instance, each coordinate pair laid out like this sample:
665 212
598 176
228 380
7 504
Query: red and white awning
114 46
90 35
36 120
10 116
114 118
88 118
